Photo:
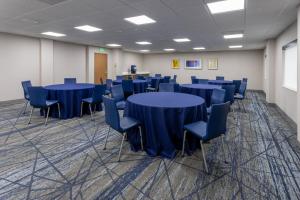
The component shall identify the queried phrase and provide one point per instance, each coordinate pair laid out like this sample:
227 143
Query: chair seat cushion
151 89
107 92
27 97
238 96
51 102
121 105
88 100
127 123
198 129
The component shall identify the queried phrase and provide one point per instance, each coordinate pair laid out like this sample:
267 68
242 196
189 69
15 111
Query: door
100 62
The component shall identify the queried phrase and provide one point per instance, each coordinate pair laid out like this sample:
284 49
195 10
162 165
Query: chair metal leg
106 138
58 107
30 115
91 112
25 107
95 106
81 109
141 135
119 158
183 143
203 154
223 147
48 110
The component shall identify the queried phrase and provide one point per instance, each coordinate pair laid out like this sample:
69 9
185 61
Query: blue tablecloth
201 90
163 115
139 85
220 82
70 97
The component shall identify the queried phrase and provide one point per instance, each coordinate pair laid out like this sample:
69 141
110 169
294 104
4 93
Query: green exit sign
101 50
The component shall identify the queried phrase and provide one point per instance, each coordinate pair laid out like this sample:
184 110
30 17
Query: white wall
69 60
19 61
298 72
232 64
132 59
46 64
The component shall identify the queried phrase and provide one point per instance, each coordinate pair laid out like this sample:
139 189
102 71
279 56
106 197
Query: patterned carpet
65 160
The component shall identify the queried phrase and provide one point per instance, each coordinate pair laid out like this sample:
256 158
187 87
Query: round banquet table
163 116
220 82
70 97
201 90
139 85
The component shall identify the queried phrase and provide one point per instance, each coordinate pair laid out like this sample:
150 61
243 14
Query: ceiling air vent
52 2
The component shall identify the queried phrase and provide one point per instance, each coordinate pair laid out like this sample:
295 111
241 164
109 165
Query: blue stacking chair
166 79
38 99
242 91
109 84
245 80
119 77
229 94
154 85
192 78
117 94
25 86
70 80
166 87
140 77
95 99
157 75
206 131
195 81
222 78
203 81
217 97
128 87
237 84
122 125
175 77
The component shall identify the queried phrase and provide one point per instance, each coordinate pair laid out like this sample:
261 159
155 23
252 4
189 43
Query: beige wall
232 64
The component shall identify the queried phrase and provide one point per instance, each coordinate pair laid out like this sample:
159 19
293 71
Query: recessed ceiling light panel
235 46
54 34
88 28
226 6
143 43
169 49
140 20
182 40
199 48
234 36
113 45
144 50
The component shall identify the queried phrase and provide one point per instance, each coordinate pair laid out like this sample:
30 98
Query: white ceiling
261 20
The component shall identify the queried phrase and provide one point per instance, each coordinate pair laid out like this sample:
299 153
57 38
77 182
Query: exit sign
101 50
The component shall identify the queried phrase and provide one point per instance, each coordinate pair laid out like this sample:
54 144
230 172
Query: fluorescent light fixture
226 6
54 34
113 45
144 50
143 43
88 28
233 36
182 40
199 48
140 20
169 49
235 46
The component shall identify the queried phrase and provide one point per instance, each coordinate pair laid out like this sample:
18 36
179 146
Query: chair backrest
195 81
38 97
127 85
167 79
157 75
26 85
222 78
117 93
119 77
245 79
70 80
203 81
237 84
155 83
229 95
192 78
98 92
140 77
243 88
166 87
216 124
112 117
109 84
175 77
218 96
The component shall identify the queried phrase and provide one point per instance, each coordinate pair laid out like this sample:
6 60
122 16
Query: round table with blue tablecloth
201 90
220 82
139 85
163 116
70 97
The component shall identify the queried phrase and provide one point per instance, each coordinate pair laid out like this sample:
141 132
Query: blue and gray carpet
66 160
